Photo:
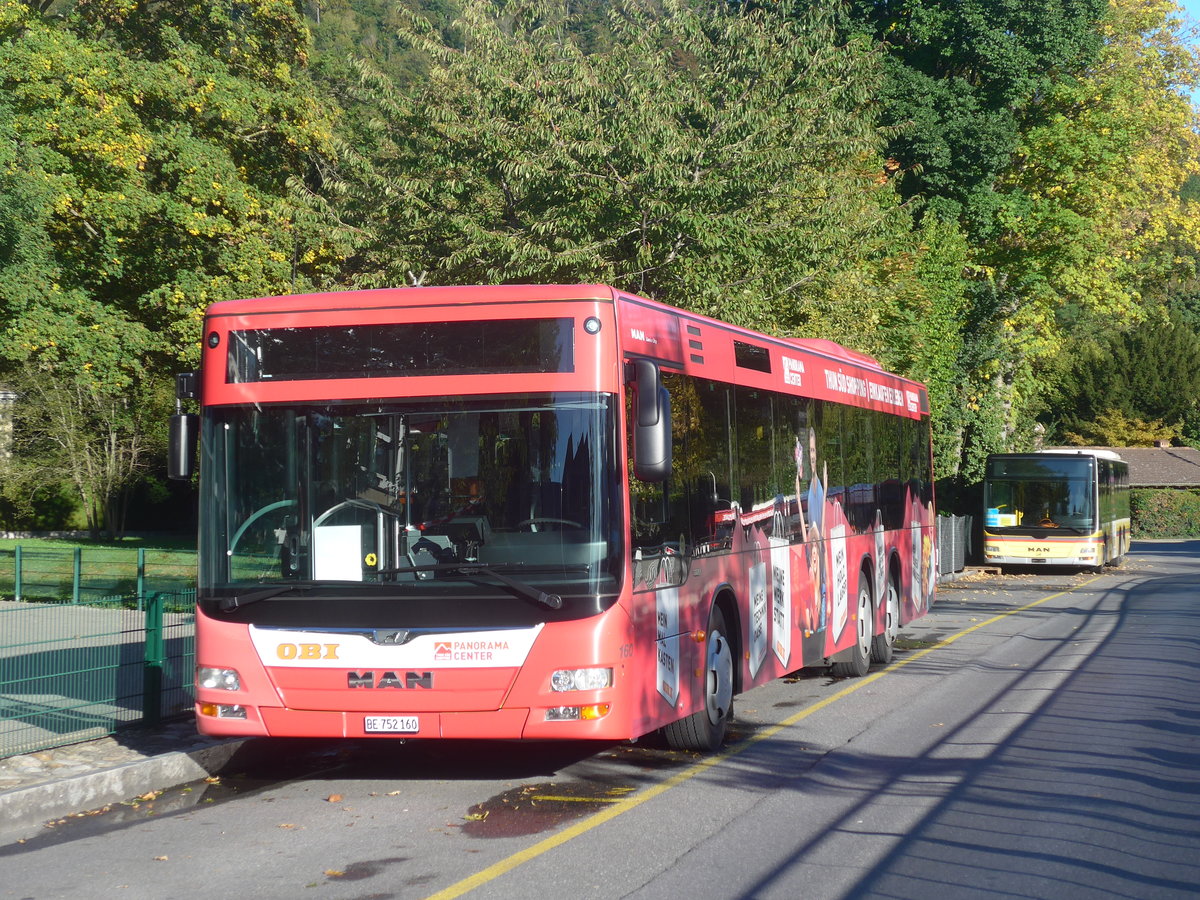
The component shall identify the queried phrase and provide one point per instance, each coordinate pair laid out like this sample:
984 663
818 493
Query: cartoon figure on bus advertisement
921 554
811 577
816 518
811 590
929 552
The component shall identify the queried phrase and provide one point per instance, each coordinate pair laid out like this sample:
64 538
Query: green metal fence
77 665
83 574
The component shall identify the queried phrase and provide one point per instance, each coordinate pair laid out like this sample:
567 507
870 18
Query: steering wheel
547 520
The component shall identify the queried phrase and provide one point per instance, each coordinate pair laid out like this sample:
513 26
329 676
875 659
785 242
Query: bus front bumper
593 722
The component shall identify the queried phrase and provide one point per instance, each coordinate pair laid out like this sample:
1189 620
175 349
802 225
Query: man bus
1063 507
539 512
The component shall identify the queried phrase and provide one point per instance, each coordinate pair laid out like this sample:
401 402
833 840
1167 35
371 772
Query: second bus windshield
1033 492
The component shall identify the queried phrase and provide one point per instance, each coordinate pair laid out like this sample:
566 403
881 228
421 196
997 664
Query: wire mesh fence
90 643
954 543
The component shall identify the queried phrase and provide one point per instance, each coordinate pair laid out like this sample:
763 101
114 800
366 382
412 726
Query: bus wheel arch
706 728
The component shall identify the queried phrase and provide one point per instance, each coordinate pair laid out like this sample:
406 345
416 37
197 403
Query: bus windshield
413 497
1039 492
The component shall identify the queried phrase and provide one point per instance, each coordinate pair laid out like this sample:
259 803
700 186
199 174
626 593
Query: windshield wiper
520 588
237 601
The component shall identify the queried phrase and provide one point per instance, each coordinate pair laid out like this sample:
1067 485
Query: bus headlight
214 679
581 679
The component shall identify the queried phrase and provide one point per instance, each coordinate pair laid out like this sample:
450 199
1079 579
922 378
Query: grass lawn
106 567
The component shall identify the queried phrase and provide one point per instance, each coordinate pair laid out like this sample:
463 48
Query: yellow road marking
624 805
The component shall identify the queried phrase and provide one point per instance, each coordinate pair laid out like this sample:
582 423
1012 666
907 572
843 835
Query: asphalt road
1038 736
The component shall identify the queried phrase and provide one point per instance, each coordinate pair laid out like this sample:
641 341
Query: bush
1165 514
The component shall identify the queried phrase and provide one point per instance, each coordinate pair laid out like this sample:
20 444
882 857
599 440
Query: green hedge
1165 514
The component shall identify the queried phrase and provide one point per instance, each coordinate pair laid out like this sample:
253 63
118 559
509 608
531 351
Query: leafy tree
100 440
1057 135
160 166
1112 428
963 79
1177 289
924 327
1148 376
721 159
147 155
1096 184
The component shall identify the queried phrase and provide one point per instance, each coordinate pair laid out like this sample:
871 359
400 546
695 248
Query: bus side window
690 512
757 485
659 510
707 476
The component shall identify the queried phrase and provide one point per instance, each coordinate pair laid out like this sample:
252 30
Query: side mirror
187 385
652 423
184 437
184 429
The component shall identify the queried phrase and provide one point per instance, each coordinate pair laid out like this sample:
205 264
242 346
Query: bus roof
1097 452
453 295
448 295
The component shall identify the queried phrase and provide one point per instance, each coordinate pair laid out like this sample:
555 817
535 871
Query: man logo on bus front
391 636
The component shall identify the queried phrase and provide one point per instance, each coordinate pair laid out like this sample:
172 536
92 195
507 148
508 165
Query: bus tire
705 730
883 644
859 661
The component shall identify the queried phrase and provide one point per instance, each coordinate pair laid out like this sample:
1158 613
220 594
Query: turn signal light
222 711
577 713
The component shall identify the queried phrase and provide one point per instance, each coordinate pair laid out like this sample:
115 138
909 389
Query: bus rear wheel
883 645
859 661
705 729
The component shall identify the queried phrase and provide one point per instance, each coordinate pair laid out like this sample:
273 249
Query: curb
24 811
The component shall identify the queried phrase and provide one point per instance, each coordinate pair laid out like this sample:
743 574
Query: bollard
152 679
141 577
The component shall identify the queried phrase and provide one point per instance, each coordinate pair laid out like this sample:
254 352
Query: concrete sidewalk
40 787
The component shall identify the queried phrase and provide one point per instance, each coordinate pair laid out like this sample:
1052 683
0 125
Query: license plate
392 724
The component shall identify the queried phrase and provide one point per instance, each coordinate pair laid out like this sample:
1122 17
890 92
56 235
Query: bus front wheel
858 660
705 729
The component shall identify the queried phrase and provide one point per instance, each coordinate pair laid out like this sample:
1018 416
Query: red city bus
538 512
